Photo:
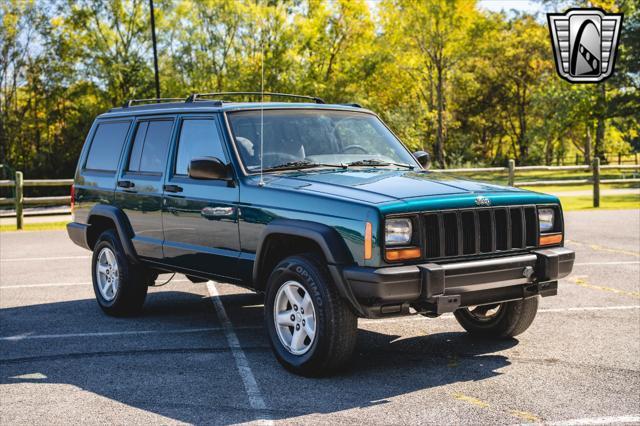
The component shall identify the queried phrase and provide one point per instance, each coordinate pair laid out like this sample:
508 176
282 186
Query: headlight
545 219
398 232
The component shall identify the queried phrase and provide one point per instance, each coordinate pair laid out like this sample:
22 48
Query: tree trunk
602 99
587 146
548 152
523 142
439 147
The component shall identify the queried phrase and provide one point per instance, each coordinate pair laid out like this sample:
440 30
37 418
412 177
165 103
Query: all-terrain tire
335 323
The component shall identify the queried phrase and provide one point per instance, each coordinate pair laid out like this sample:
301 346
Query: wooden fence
19 200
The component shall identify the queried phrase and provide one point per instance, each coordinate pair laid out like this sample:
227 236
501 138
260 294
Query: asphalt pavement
199 354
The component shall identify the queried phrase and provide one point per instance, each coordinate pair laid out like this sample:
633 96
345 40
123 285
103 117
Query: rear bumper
438 288
78 234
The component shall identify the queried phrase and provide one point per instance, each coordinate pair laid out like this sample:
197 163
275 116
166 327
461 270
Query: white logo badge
585 43
483 201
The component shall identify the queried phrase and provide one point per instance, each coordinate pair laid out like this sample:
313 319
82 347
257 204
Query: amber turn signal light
547 240
393 255
367 241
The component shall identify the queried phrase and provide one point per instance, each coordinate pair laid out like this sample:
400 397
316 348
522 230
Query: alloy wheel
294 317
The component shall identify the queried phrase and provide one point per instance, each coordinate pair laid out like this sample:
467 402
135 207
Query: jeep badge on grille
483 201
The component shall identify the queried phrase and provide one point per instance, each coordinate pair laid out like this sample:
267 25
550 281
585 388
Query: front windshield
322 137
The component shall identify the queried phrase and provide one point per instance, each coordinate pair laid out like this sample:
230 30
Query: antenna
261 183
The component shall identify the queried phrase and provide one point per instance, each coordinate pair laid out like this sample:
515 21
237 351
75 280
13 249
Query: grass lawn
558 189
45 226
607 202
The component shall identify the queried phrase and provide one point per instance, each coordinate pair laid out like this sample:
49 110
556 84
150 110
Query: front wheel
502 320
311 329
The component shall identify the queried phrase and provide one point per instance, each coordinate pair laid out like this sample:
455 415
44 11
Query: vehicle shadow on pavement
191 377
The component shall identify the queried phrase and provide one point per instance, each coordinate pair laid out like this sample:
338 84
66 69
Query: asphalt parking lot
199 354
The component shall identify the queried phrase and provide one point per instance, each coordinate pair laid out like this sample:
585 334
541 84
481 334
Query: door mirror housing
208 168
423 158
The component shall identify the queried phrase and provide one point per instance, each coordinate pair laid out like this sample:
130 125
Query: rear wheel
119 285
311 329
502 320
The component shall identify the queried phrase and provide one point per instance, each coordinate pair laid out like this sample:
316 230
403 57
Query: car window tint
198 138
106 146
154 150
138 143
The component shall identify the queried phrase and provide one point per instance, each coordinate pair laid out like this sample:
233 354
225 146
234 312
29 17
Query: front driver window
198 138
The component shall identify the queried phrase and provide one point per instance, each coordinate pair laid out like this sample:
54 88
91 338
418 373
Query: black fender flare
123 227
327 238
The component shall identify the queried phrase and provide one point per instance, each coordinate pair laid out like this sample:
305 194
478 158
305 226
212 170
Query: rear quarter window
106 146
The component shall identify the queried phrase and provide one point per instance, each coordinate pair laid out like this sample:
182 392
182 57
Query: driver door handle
172 188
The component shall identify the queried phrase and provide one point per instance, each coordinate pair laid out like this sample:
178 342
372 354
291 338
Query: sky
519 5
526 6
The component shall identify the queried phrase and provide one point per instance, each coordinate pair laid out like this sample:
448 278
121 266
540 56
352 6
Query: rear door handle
172 188
126 184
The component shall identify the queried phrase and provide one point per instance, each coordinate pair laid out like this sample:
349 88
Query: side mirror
423 158
208 168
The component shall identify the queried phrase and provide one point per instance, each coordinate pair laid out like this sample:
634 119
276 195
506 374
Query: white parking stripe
450 316
63 284
106 334
592 308
597 421
250 385
7 287
631 262
26 259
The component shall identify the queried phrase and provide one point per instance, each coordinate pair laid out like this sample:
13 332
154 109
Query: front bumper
437 288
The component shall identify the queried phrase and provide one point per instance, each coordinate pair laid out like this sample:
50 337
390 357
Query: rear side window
150 146
198 138
106 146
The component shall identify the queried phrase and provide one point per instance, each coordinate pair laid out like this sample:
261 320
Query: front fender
327 238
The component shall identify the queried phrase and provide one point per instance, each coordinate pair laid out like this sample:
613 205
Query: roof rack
195 96
130 102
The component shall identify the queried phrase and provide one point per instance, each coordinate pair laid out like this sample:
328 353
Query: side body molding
327 238
123 228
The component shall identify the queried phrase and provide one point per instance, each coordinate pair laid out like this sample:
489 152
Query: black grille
464 232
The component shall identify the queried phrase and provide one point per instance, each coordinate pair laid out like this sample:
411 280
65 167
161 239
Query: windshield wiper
374 163
302 164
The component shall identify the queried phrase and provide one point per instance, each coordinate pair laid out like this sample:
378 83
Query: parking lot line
597 421
11 286
19 337
597 247
450 316
244 369
26 259
27 336
582 282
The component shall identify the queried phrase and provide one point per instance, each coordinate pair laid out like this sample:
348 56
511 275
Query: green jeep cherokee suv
318 206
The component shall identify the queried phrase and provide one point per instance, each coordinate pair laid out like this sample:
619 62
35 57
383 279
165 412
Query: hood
383 185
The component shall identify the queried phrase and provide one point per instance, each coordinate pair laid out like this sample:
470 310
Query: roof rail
195 96
352 104
130 102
